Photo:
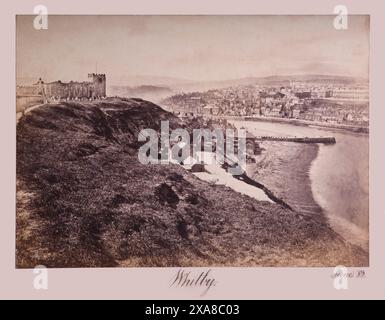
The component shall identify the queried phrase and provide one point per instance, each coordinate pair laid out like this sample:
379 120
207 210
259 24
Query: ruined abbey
57 90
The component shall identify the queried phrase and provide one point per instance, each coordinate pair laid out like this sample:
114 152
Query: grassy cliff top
84 200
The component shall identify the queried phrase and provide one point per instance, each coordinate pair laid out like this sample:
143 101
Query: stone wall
95 88
92 89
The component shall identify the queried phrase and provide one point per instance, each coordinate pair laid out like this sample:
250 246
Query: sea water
339 176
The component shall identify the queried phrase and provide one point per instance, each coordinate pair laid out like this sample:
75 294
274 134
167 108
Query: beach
284 167
328 181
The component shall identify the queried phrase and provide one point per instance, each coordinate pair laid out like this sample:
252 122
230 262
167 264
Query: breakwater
325 140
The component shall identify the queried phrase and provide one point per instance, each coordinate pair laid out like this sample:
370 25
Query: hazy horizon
190 48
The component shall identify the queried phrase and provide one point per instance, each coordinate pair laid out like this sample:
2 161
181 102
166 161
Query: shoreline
289 161
302 202
350 231
284 168
304 199
303 123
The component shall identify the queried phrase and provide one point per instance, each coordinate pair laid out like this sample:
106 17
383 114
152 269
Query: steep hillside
84 200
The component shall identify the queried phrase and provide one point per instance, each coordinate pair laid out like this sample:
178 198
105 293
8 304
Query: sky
197 48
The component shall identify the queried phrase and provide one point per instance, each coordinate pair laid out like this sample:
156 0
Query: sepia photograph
192 141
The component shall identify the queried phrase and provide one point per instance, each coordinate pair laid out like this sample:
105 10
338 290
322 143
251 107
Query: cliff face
84 200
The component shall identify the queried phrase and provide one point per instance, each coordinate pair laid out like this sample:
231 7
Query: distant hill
331 79
147 92
277 80
137 80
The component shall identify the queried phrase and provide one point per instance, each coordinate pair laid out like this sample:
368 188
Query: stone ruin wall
94 88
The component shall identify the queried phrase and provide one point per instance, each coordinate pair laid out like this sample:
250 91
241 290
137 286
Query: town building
351 93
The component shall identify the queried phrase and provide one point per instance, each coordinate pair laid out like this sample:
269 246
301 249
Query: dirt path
26 110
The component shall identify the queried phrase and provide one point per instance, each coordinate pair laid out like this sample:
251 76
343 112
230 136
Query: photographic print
192 141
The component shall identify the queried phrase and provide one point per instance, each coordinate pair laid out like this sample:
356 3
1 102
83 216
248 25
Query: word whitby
186 279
